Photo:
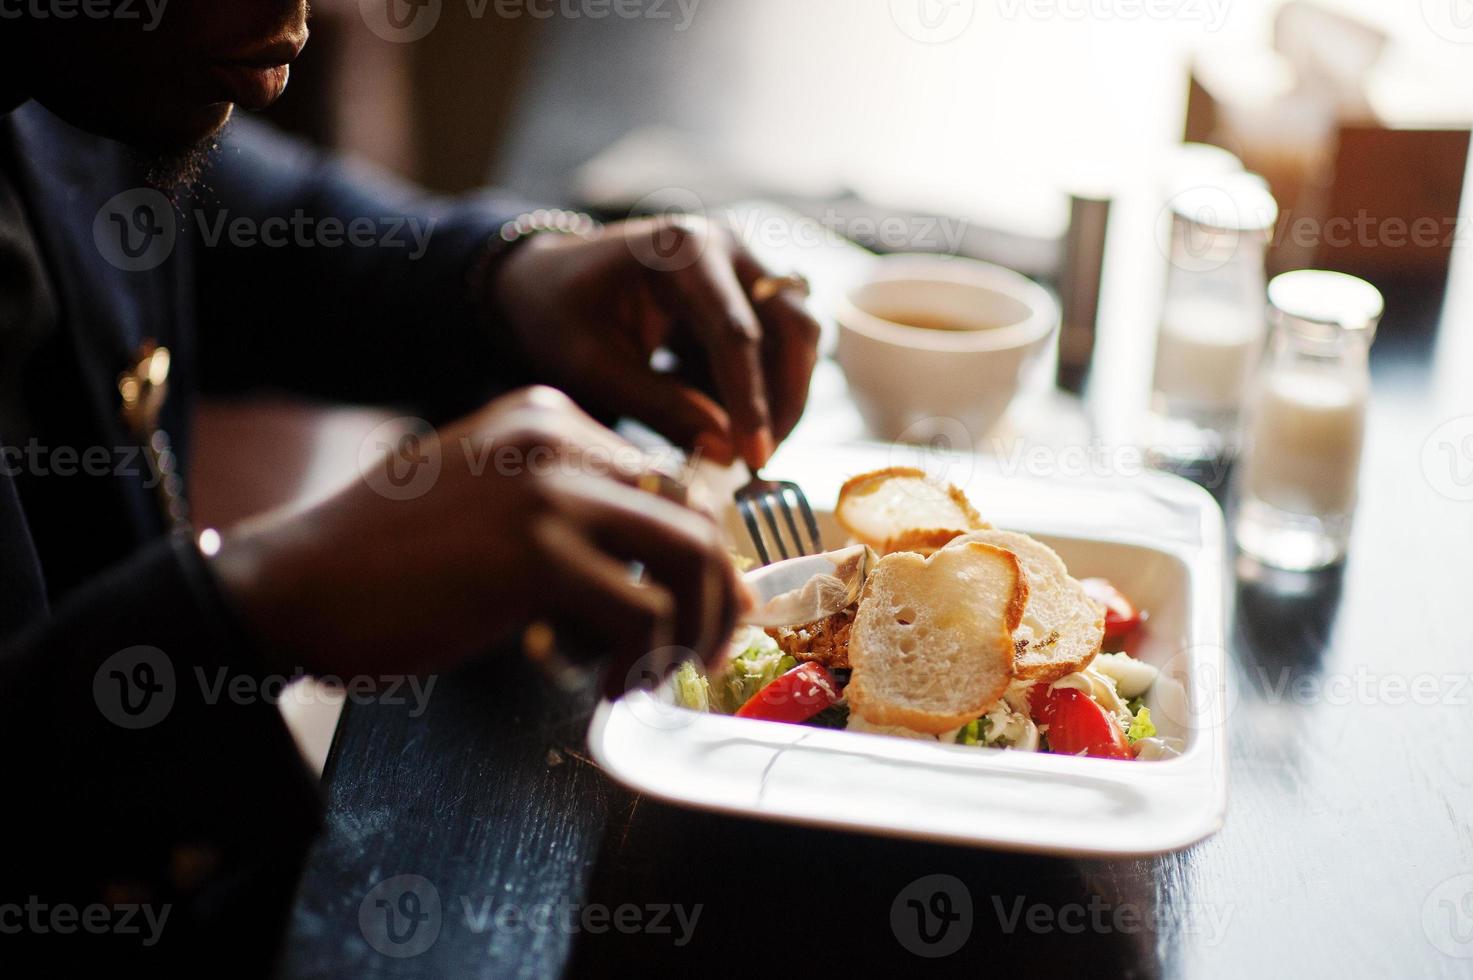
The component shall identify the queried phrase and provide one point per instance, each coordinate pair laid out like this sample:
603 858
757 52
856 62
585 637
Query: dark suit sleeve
329 279
146 766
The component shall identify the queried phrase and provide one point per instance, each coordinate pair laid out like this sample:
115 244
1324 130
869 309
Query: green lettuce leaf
973 732
758 665
692 689
1140 726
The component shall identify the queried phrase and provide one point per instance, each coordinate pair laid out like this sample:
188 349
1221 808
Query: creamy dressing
1098 686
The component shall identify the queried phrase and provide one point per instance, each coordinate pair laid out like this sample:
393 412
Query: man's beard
176 171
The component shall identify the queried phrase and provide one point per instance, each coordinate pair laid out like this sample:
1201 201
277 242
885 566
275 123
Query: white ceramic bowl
910 382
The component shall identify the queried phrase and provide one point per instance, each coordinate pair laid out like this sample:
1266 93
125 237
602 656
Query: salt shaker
1212 328
1296 486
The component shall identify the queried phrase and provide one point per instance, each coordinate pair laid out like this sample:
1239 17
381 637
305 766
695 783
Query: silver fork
770 497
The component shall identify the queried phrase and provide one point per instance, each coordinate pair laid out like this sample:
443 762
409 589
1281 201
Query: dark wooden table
1348 847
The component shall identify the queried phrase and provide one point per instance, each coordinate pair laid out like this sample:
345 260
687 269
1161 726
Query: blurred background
985 108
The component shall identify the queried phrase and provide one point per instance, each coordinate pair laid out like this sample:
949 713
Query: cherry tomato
1121 615
794 697
1077 725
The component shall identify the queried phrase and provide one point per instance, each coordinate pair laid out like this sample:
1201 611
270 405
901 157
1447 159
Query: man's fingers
789 344
680 550
596 608
709 297
541 428
680 413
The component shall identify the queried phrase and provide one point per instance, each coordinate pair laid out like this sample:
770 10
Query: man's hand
590 314
365 585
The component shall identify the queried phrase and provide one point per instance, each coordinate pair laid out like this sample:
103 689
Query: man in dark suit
146 257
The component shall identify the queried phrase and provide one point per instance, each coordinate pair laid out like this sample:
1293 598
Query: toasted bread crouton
1062 626
932 643
922 542
903 509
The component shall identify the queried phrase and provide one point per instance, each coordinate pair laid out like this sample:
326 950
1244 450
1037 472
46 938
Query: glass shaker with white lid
1212 327
1297 479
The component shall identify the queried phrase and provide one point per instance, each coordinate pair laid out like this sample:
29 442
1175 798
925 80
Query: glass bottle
1296 486
1212 327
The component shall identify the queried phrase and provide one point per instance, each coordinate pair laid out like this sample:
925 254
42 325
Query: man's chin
175 172
174 157
180 133
171 142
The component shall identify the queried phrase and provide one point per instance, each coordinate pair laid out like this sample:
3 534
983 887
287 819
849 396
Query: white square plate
1159 538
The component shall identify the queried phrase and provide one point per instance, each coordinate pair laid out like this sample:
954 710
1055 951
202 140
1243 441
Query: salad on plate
962 634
